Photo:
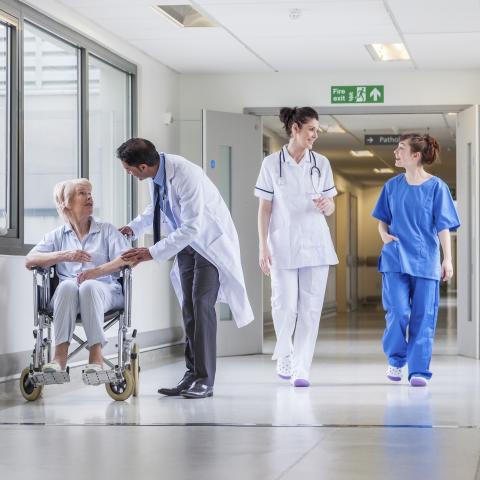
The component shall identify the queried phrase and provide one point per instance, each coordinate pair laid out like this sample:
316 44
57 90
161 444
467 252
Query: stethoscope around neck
314 170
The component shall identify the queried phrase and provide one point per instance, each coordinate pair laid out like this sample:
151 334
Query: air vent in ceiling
184 16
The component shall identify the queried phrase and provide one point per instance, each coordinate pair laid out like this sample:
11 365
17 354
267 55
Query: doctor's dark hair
138 151
298 115
426 145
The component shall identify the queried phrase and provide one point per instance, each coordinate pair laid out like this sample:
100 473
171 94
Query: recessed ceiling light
383 170
332 128
184 16
388 52
361 153
451 113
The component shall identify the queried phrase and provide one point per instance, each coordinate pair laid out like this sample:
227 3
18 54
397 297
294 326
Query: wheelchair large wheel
135 367
29 391
123 390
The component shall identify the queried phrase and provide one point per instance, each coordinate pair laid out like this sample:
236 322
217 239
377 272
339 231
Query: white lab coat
204 222
298 234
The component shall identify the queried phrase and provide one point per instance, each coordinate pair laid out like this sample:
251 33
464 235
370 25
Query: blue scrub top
415 214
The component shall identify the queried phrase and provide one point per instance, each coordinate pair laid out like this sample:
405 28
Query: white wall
233 93
154 305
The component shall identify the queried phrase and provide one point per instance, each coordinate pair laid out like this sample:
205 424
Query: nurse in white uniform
296 191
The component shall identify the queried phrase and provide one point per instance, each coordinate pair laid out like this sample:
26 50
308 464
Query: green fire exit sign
357 94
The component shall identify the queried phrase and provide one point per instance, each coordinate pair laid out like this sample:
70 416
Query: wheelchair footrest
100 377
50 378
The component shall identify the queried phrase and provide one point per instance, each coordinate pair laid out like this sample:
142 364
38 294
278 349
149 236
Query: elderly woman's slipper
52 367
92 368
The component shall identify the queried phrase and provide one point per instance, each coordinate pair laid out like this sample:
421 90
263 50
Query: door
232 155
342 245
352 258
468 250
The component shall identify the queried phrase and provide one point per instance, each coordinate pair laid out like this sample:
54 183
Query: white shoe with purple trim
394 373
418 381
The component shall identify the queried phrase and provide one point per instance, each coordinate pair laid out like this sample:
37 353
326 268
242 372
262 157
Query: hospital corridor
239 239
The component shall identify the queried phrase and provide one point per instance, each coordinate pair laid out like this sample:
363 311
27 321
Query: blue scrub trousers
409 302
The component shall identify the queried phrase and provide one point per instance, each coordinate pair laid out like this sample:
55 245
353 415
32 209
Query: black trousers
200 285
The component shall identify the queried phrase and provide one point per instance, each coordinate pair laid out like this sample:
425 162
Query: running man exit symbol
357 94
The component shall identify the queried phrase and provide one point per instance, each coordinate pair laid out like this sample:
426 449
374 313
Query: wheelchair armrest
39 270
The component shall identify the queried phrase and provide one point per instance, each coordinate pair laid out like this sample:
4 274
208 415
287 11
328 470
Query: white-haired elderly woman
87 255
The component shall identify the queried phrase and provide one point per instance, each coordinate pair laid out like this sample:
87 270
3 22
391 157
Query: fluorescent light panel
184 16
388 52
332 128
383 170
361 153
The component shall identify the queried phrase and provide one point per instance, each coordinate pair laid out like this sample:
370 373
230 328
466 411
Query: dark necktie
156 213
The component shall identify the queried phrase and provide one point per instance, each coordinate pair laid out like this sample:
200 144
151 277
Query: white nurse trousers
297 302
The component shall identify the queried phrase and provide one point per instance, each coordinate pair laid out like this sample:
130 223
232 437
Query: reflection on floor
350 424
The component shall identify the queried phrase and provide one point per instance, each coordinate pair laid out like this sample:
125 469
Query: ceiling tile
436 16
440 51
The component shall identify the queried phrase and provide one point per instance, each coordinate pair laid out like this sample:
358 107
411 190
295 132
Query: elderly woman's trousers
91 299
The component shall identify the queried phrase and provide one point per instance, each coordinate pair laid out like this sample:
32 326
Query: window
109 126
51 127
4 137
66 104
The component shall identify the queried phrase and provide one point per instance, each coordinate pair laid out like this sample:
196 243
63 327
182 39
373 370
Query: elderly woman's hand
80 256
91 274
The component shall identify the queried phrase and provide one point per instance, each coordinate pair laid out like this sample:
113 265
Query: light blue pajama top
103 242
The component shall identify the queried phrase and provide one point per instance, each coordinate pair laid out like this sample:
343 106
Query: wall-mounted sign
357 94
383 139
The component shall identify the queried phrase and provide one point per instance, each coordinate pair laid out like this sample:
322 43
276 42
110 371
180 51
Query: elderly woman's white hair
63 193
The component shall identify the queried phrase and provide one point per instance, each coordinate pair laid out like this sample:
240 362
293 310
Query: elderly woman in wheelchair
86 254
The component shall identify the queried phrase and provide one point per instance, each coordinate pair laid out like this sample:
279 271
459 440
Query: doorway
353 295
362 177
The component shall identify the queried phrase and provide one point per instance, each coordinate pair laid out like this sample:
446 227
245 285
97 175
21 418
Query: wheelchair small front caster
29 391
124 389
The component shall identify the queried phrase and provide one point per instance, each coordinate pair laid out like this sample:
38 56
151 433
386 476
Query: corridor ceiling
327 35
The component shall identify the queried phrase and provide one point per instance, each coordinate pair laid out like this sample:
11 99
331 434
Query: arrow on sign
369 139
376 94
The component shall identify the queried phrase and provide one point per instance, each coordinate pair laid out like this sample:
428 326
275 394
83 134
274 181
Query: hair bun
285 114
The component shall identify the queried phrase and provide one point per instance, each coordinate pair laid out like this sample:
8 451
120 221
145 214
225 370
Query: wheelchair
121 379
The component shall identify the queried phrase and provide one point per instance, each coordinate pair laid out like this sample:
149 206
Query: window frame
12 127
16 14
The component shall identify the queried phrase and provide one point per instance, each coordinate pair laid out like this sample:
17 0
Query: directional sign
383 139
357 94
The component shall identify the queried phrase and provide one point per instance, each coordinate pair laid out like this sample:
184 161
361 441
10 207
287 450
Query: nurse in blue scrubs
416 215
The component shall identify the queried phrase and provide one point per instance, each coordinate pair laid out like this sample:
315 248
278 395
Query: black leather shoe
198 390
185 383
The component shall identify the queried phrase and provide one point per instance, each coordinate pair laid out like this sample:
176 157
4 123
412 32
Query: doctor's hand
387 238
265 260
447 270
126 231
137 255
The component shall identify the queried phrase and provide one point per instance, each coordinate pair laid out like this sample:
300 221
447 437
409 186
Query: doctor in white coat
189 213
296 191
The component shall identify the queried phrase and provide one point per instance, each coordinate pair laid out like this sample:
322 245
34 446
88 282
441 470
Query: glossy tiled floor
350 424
